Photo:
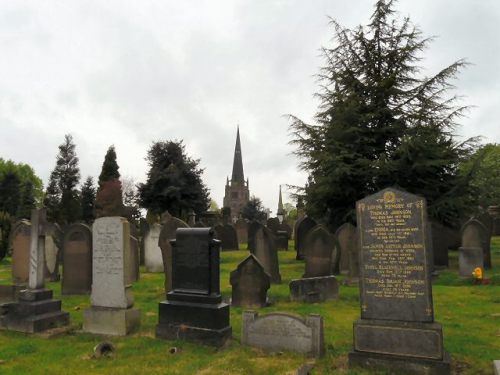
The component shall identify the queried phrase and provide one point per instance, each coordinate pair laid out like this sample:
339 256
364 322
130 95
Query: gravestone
302 228
281 240
134 260
77 260
278 332
152 253
21 239
267 253
439 244
472 252
253 227
346 236
286 228
396 332
168 230
111 311
241 227
273 224
35 310
314 289
227 235
487 221
250 283
194 310
53 244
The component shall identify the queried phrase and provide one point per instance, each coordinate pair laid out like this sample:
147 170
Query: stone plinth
111 321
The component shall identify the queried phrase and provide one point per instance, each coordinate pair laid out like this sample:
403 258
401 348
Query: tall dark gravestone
472 252
249 282
396 332
302 228
228 236
77 260
241 227
253 227
267 253
194 310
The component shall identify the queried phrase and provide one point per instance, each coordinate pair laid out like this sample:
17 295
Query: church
237 191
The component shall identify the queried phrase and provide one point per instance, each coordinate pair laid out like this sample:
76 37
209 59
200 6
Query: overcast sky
132 72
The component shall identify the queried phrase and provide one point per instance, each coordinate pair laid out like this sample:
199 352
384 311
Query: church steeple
280 205
238 175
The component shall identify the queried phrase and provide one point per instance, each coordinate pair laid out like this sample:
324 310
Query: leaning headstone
346 236
35 310
21 237
250 283
152 252
77 260
170 226
253 227
471 253
227 235
134 260
397 332
302 228
241 227
267 253
278 332
194 310
111 311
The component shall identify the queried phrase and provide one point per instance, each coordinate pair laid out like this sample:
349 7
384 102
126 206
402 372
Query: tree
174 181
62 190
10 193
380 123
27 201
131 200
254 210
24 174
109 170
87 200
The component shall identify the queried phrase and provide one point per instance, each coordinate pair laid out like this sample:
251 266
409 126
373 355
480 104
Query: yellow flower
478 273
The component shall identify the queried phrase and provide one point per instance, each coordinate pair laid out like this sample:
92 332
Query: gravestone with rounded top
250 283
346 236
152 253
472 252
21 238
227 235
302 228
267 253
397 331
77 260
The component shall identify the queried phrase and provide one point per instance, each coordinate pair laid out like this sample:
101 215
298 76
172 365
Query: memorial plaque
395 282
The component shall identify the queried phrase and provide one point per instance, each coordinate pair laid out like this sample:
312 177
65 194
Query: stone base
314 289
35 311
197 322
8 293
111 321
400 365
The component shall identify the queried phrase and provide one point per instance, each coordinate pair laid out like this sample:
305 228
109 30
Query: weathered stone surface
21 238
170 225
77 260
253 227
281 240
194 309
279 332
318 248
241 227
152 253
314 289
108 321
134 259
227 235
110 268
302 228
273 224
53 245
37 248
469 258
475 234
267 253
496 367
396 332
346 236
250 283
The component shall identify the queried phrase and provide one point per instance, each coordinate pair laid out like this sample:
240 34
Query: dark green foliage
254 210
174 181
27 201
10 193
381 124
87 200
109 170
62 197
24 173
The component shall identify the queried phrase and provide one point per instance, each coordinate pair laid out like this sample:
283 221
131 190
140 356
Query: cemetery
382 257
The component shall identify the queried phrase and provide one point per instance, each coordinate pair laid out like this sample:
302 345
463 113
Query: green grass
470 316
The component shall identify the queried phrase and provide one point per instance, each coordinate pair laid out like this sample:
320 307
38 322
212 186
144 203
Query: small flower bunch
478 277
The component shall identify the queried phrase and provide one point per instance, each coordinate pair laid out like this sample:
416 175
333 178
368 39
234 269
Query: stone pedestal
35 311
314 289
111 321
469 258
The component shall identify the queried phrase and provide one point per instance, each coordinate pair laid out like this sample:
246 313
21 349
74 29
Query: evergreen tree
87 200
10 193
380 124
27 201
254 210
109 170
64 180
52 200
174 181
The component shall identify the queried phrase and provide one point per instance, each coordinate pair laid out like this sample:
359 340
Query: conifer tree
109 170
109 196
87 200
27 201
381 123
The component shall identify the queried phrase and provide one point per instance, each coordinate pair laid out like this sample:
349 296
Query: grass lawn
470 316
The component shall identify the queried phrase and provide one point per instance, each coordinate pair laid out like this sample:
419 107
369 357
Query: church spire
238 175
280 205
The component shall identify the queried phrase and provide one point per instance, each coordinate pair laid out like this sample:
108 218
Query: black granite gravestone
194 310
396 331
250 283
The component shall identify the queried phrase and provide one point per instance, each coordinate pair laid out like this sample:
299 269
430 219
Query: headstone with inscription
228 237
20 238
152 252
397 331
77 260
250 283
194 310
111 311
35 310
278 332
346 236
267 253
472 252
302 228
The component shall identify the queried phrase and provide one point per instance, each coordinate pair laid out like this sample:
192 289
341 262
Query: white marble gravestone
153 260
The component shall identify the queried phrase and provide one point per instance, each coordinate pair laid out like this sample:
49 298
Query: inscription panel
395 282
191 265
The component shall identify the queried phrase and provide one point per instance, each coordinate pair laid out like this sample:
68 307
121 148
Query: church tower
237 194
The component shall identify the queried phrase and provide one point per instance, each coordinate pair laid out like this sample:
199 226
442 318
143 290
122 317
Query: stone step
36 308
